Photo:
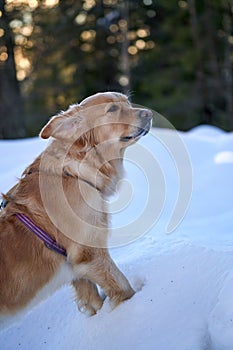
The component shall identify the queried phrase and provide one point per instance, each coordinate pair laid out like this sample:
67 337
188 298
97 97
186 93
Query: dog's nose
145 113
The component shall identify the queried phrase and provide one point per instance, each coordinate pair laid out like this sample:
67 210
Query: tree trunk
206 109
11 105
228 79
124 56
215 84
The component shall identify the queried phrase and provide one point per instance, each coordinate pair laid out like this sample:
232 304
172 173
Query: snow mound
220 322
184 280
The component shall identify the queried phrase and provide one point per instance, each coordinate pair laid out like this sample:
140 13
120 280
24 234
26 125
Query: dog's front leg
102 270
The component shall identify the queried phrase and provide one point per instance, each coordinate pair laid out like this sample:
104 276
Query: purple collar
48 241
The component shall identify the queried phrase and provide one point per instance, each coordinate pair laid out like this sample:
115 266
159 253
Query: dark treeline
172 56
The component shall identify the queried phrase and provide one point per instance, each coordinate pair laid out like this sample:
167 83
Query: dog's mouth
139 132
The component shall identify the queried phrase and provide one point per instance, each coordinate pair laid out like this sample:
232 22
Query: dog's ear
60 127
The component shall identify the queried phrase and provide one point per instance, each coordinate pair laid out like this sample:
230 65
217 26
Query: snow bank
184 280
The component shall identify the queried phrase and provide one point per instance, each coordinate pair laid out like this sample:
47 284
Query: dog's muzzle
145 120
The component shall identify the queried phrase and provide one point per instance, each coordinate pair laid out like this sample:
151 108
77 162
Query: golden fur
63 192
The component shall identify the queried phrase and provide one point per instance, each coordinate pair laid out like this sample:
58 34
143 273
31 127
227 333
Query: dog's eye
113 108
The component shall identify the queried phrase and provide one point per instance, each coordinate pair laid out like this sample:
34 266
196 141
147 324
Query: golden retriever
63 192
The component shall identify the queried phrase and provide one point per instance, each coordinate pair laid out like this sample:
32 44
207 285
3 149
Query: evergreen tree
174 56
11 105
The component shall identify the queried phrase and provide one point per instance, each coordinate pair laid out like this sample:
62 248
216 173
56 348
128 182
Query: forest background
172 56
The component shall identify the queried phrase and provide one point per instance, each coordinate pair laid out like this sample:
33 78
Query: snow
173 239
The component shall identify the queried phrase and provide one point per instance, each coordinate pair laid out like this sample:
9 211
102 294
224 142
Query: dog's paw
117 298
137 283
87 297
89 308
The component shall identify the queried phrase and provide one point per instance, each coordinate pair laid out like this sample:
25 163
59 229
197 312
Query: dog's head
104 118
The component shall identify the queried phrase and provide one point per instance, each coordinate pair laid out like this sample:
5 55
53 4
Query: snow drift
184 279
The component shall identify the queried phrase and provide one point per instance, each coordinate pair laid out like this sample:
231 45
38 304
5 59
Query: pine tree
11 105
